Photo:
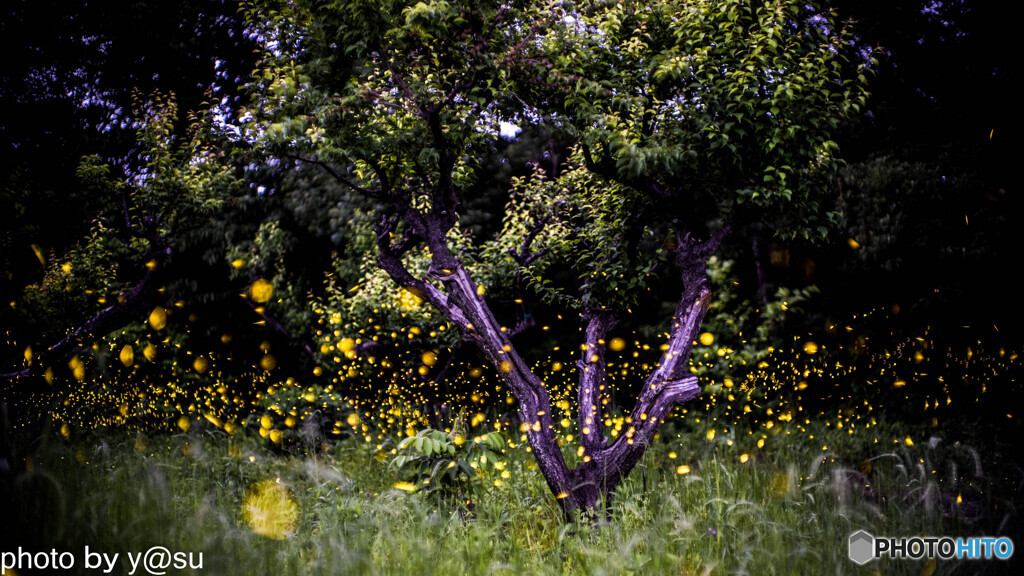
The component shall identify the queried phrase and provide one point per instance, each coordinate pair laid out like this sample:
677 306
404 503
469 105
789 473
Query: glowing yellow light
480 290
28 354
270 511
149 352
268 362
908 441
261 290
184 423
684 469
711 434
276 436
744 458
707 339
237 263
77 368
158 318
616 344
853 244
505 366
408 301
429 358
127 355
346 345
39 255
66 267
201 365
266 421
352 419
151 265
405 486
811 347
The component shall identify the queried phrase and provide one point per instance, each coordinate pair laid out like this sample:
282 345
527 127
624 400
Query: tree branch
129 306
336 175
592 381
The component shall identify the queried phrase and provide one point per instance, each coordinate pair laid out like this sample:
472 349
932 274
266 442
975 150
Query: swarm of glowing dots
261 291
270 511
158 318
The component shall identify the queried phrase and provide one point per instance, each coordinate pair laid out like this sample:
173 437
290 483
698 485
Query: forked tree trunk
669 384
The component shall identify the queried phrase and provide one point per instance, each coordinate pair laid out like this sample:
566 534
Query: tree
75 84
692 119
67 92
177 186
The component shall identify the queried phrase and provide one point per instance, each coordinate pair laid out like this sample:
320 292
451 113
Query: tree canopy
689 118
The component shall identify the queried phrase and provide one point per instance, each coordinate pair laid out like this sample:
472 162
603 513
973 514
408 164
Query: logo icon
862 547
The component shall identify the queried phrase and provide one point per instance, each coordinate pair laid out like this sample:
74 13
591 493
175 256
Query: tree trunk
671 383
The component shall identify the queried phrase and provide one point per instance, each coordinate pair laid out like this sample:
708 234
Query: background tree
695 118
76 80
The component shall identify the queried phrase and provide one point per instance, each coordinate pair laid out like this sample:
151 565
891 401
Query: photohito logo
864 547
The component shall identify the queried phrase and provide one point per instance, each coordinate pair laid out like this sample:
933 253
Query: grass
787 508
